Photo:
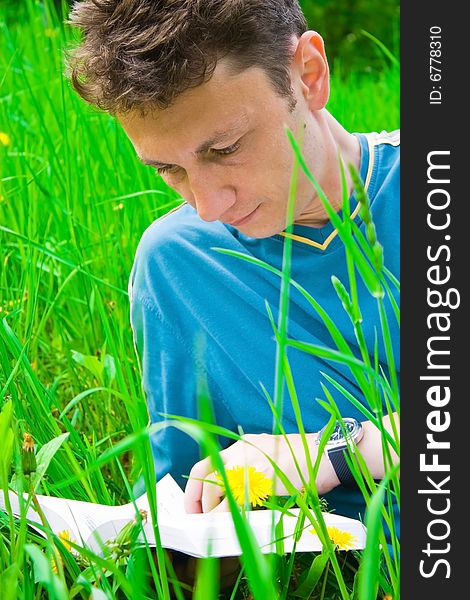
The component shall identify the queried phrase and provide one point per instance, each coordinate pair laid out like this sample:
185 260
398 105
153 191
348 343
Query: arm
370 446
252 450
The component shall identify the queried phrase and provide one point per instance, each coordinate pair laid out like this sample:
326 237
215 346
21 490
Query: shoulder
158 243
165 229
384 193
383 168
386 148
387 138
173 243
180 228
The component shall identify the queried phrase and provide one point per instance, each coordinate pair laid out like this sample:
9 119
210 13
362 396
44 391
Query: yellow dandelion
119 206
54 564
344 540
4 138
65 537
259 486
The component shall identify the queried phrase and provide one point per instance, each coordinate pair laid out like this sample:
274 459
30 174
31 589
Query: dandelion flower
65 537
344 540
259 486
54 563
4 138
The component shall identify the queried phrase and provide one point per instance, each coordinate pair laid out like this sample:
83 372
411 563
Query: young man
204 90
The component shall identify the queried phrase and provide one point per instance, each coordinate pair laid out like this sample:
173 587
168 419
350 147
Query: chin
261 231
264 223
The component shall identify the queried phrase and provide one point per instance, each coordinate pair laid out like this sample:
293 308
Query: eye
167 170
174 169
228 150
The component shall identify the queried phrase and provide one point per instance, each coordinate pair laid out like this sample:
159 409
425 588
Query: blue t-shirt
182 291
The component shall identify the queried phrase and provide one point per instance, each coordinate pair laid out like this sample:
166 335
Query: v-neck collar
321 237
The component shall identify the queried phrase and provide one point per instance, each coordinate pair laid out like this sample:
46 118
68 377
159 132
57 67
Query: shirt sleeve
168 382
171 362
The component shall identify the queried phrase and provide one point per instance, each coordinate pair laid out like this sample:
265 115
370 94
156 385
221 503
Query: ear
312 66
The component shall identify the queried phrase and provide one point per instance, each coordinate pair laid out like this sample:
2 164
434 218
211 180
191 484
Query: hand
251 451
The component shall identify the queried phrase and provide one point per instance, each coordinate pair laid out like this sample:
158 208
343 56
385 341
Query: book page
209 534
52 514
91 524
77 517
170 508
214 534
170 499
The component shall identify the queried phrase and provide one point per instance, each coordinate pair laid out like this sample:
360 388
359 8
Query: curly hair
141 54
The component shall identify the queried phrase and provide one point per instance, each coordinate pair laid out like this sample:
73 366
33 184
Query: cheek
279 167
269 171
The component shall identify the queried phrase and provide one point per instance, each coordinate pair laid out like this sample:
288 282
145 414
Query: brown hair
139 54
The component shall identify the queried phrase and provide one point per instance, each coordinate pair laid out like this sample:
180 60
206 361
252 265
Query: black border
427 128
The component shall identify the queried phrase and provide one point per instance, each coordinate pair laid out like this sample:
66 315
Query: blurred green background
341 23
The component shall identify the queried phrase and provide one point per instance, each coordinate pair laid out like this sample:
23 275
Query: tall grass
73 204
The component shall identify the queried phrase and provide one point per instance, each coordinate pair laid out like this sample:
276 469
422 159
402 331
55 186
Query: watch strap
341 467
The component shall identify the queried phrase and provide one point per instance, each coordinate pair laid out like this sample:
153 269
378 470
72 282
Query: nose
210 196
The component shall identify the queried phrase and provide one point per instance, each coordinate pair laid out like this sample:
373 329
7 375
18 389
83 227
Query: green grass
74 202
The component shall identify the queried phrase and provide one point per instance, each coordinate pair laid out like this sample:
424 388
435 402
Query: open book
209 534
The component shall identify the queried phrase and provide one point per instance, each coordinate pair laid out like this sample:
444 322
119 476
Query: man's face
223 147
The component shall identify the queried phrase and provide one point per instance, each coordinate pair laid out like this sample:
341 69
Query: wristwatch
337 446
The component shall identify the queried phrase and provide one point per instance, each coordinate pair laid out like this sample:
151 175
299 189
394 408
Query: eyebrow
216 138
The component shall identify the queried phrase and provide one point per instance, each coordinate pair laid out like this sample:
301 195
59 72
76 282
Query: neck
338 142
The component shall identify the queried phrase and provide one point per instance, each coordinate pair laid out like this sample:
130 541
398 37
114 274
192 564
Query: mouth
244 220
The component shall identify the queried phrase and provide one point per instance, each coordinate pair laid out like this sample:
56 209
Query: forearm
290 455
374 450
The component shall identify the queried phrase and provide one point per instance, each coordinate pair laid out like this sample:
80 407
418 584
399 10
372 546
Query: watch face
353 429
337 434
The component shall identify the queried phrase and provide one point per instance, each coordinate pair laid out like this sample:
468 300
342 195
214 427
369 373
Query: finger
211 493
221 507
194 487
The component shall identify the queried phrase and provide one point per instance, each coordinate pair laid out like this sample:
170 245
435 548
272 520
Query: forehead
227 103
